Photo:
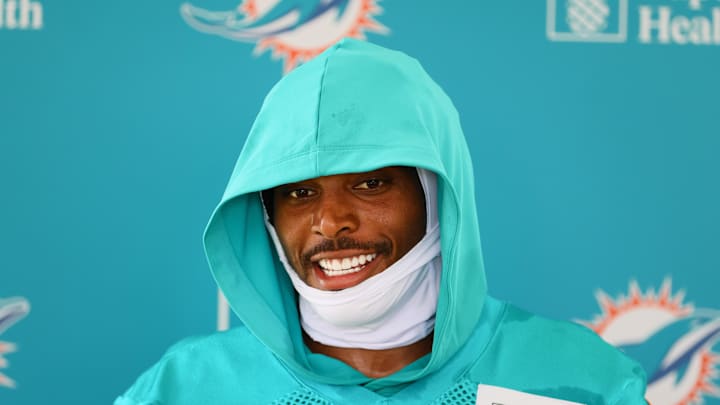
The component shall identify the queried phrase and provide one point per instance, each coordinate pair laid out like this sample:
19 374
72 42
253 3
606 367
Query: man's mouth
345 265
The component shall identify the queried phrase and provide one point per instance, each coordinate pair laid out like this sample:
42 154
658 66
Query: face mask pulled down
391 309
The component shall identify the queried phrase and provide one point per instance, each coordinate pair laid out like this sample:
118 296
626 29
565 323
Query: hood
356 107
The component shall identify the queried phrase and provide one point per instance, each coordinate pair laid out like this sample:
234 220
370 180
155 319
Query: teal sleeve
156 385
143 391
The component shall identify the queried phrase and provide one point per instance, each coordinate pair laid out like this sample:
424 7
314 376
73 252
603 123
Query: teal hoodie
358 107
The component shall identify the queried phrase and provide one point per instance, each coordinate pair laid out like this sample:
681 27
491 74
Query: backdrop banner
593 125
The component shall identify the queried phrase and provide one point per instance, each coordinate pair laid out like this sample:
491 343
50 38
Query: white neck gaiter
391 309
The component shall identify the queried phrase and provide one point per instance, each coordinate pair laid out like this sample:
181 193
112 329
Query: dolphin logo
672 341
295 30
240 24
681 340
12 310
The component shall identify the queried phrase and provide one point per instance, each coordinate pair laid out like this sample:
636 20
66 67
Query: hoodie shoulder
558 359
218 368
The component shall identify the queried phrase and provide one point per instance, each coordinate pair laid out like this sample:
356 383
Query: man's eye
301 193
370 184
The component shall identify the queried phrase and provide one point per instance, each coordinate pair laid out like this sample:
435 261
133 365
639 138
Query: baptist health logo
587 20
675 342
678 22
21 15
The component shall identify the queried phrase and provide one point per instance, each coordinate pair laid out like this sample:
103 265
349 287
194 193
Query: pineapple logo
587 20
292 30
674 342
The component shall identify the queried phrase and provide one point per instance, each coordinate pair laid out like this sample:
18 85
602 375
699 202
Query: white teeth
346 265
333 273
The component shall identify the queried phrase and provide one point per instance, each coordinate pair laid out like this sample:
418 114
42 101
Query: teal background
119 126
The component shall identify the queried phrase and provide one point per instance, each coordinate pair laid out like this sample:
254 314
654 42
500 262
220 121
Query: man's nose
334 217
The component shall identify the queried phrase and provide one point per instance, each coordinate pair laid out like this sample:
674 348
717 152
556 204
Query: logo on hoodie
672 340
292 30
11 311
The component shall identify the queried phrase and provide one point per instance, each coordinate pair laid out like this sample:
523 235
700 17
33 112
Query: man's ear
268 201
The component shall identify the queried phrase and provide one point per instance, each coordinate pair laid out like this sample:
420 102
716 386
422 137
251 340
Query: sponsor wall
593 125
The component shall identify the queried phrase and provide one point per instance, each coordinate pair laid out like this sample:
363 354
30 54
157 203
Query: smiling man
363 252
347 243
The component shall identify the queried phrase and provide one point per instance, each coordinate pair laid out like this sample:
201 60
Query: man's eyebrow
382 170
291 185
283 189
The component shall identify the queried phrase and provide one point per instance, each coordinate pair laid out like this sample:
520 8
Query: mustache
332 245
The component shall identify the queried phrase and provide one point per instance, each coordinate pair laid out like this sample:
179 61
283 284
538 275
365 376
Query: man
348 245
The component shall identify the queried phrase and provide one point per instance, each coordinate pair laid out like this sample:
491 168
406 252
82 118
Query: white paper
491 395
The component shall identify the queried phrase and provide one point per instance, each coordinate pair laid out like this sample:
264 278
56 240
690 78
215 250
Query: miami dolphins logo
672 340
11 311
294 30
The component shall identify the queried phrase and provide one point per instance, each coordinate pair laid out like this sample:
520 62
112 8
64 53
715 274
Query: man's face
338 231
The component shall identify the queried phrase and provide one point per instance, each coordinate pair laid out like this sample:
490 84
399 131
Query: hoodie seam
618 396
301 384
451 253
317 109
481 355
